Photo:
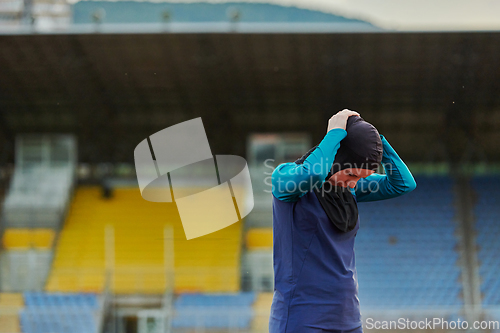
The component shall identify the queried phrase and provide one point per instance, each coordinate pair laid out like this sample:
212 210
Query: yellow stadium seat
260 238
9 323
24 239
10 305
262 310
11 299
42 238
133 260
17 239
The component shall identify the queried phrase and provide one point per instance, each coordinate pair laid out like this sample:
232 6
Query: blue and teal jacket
314 264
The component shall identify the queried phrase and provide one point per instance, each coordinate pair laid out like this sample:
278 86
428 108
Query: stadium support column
468 250
167 311
109 256
460 137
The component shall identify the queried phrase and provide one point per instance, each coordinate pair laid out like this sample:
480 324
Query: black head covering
361 148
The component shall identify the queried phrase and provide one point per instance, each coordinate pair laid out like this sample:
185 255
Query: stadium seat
17 239
260 238
405 249
10 305
262 310
213 311
24 239
42 238
207 264
75 313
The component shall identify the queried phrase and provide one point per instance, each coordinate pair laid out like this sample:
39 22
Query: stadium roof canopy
334 15
308 16
158 12
182 17
434 95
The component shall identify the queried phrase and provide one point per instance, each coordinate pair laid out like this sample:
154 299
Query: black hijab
361 148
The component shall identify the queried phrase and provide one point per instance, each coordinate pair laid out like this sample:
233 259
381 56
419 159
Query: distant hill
151 12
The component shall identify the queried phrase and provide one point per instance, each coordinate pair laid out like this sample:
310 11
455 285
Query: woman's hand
339 120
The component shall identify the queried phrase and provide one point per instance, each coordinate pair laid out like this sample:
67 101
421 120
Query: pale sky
416 14
401 14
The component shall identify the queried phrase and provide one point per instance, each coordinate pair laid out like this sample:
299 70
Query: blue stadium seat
47 312
405 249
216 311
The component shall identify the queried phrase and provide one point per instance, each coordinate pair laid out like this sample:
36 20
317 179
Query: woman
315 221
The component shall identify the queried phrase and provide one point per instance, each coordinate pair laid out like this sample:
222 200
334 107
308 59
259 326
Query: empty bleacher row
214 311
82 312
233 312
137 252
37 312
23 238
78 313
406 250
10 306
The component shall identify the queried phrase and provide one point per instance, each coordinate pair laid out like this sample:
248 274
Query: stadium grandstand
83 83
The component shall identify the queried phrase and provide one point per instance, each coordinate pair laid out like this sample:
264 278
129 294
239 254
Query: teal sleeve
290 181
397 180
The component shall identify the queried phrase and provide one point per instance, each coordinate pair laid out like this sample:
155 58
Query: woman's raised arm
290 181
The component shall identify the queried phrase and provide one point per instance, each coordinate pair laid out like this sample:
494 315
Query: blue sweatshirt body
314 262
